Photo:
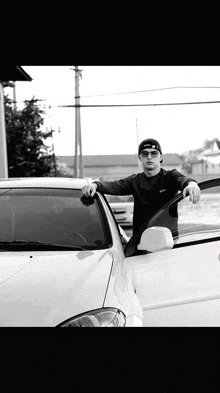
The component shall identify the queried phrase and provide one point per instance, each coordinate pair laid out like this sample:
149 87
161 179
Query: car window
55 216
119 198
190 222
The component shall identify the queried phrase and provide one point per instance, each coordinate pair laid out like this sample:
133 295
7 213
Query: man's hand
89 190
193 191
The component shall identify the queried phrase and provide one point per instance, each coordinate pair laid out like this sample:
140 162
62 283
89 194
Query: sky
119 130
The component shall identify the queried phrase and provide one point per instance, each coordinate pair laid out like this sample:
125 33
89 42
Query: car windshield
51 219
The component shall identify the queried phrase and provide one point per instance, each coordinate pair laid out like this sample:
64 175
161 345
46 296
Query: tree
28 155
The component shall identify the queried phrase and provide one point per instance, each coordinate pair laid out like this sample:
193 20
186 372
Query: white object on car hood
44 290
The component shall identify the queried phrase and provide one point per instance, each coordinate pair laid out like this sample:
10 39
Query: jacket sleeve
181 180
117 187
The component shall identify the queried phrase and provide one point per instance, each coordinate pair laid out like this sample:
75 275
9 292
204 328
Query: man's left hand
193 190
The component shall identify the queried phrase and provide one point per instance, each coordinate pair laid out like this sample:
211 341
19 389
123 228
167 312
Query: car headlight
102 317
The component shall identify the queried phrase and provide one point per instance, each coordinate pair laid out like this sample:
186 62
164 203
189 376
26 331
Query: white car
64 260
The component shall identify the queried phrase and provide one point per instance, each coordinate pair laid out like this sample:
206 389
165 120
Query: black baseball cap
149 143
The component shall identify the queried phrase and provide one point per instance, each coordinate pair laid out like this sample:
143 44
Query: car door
181 286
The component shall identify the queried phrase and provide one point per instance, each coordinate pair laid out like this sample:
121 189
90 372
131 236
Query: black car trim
194 242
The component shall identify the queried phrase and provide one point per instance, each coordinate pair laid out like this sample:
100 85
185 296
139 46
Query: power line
128 92
118 105
128 105
150 90
135 105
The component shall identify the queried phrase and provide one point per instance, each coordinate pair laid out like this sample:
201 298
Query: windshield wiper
32 243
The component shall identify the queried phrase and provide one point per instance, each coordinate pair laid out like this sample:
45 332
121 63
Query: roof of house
111 160
13 73
171 159
212 150
217 143
211 153
116 160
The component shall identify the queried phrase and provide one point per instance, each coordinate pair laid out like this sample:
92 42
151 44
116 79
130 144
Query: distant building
208 161
197 166
171 161
113 167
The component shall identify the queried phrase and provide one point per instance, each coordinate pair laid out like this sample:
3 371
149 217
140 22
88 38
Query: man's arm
188 185
192 189
117 187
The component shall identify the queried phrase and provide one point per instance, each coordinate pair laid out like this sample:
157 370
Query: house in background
207 162
172 161
114 167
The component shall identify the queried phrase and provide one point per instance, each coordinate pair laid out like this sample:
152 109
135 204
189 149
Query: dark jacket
150 193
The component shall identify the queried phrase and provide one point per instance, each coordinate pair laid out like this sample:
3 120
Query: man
152 188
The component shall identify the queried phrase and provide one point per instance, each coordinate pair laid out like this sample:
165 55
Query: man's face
150 159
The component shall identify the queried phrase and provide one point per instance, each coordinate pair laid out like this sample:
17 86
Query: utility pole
78 161
137 134
14 96
3 139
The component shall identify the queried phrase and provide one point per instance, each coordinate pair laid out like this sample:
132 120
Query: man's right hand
89 190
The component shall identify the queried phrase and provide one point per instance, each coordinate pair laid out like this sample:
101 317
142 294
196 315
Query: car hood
44 290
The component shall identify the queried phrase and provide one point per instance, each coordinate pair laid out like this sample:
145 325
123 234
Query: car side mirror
156 239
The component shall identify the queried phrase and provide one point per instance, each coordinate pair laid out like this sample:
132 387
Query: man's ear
161 158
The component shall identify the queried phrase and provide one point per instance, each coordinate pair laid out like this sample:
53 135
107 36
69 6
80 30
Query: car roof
41 182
